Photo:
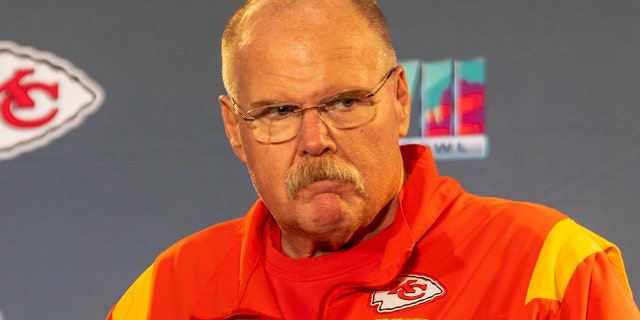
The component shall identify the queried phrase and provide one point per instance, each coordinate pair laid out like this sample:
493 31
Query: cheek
375 151
267 169
265 180
261 166
374 141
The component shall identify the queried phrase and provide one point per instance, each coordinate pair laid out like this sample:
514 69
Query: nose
314 137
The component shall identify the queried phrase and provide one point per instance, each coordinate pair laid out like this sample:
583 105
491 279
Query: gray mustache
321 169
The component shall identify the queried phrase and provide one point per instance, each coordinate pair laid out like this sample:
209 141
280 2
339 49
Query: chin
334 228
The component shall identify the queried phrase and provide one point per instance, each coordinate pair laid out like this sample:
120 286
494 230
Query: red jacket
454 256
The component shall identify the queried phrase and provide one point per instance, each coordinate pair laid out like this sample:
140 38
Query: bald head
258 18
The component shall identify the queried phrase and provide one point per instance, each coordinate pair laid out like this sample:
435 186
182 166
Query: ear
403 107
231 126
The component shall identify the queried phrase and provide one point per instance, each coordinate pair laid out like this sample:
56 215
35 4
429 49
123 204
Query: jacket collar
422 199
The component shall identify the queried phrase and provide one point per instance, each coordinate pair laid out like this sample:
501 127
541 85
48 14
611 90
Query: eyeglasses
280 122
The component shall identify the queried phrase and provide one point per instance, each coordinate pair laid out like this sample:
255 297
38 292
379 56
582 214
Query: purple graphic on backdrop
451 95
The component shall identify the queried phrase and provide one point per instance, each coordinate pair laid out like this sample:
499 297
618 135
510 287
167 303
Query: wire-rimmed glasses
281 122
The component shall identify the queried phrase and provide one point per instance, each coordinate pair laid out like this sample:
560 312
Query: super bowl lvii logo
451 95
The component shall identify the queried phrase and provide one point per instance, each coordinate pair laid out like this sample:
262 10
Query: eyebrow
337 96
266 103
346 94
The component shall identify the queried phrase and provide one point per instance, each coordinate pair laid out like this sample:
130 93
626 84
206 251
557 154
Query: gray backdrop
82 217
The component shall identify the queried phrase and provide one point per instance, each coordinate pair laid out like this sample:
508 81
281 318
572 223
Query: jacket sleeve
597 291
581 274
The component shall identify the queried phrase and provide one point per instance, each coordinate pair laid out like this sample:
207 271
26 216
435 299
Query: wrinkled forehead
265 18
319 25
307 41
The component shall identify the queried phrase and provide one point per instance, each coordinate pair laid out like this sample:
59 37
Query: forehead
298 19
302 47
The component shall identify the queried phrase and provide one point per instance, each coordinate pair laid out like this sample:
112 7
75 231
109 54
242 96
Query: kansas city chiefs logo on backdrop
405 292
42 97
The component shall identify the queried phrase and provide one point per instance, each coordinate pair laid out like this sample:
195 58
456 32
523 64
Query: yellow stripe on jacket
134 304
565 247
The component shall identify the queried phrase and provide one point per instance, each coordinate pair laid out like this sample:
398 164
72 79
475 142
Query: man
349 225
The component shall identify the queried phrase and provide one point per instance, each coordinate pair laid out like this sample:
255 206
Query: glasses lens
348 110
339 115
271 130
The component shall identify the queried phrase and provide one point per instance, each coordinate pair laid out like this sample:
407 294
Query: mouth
322 175
338 188
327 186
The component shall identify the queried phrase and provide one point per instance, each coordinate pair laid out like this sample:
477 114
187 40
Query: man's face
303 58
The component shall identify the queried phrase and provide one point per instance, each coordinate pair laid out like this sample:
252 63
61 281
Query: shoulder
207 245
182 273
506 215
576 263
501 206
173 283
562 244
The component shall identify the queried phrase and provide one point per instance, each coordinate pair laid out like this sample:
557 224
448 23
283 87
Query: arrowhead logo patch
405 292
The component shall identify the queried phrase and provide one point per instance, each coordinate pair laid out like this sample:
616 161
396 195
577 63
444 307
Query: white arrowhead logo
405 292
42 97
